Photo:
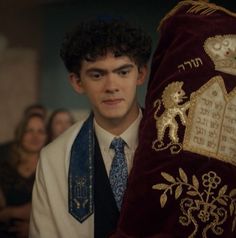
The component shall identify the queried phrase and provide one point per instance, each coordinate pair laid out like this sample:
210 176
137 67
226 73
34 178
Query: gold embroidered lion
172 96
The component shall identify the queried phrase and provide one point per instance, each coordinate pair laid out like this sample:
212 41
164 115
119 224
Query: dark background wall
20 47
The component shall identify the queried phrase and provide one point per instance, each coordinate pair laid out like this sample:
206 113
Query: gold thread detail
211 125
202 9
209 207
172 96
81 191
222 51
190 64
197 7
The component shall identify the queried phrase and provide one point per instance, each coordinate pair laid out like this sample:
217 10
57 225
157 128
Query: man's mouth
112 102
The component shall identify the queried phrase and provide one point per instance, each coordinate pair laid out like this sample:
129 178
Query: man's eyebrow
125 66
99 70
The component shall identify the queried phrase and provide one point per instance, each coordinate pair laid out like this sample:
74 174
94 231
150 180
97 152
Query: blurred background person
17 174
58 122
35 108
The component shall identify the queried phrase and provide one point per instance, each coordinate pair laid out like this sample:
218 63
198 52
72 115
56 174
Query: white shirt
130 136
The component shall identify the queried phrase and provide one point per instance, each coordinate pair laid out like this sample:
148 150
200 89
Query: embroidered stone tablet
211 125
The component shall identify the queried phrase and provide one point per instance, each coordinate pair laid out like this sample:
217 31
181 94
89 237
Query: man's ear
76 82
142 74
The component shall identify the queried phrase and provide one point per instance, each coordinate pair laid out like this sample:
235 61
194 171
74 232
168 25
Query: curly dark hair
97 37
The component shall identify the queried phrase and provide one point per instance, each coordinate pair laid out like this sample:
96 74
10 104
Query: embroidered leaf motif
168 177
231 208
222 190
222 201
160 186
192 193
183 175
163 200
178 191
195 182
233 193
234 225
209 206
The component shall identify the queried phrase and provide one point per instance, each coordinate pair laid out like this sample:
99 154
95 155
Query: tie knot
117 144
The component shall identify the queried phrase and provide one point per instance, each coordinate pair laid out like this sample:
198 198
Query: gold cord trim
201 7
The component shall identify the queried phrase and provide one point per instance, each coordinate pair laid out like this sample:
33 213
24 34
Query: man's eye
123 72
95 75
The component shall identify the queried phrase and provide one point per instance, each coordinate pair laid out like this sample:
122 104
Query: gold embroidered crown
222 51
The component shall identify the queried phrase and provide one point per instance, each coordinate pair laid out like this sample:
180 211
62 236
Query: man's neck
118 126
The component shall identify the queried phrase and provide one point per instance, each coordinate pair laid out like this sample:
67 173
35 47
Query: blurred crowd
18 161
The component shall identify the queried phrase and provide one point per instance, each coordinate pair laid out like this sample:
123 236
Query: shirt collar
130 135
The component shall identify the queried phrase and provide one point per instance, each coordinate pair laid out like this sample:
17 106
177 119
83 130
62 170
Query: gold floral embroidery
210 206
172 96
222 51
211 125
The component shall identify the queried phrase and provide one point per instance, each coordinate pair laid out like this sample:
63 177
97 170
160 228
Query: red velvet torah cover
183 182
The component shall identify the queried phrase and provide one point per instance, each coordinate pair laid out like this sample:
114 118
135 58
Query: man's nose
111 83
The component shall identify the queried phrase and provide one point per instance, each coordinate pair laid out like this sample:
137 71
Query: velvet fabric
175 190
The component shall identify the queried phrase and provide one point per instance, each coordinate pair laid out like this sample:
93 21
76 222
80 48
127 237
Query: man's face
110 84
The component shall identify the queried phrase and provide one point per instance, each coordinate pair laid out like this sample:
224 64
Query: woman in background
17 174
58 122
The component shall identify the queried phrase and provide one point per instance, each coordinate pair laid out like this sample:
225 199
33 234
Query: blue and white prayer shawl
81 173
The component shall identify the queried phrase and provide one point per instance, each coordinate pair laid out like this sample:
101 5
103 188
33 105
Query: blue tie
119 171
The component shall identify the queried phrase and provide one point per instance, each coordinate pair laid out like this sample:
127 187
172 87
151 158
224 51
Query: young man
75 193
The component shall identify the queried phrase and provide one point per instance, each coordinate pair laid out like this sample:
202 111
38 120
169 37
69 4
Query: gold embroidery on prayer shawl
82 194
